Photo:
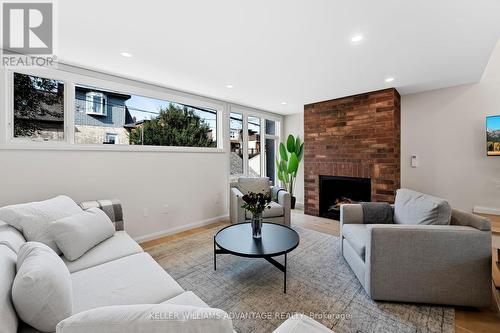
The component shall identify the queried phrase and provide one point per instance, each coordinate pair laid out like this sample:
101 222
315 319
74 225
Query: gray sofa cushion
187 298
77 234
34 218
11 237
135 279
357 236
118 246
276 210
8 317
413 207
256 185
41 291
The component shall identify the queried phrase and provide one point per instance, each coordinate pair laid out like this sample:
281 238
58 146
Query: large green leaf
283 153
280 176
290 144
284 166
293 164
278 164
300 152
297 145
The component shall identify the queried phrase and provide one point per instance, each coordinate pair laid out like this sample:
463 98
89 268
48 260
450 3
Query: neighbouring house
101 117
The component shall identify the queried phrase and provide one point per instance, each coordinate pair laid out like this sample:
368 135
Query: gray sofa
117 287
280 206
421 263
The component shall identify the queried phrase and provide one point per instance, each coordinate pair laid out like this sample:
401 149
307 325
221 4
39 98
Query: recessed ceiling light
229 86
283 103
357 38
389 79
126 54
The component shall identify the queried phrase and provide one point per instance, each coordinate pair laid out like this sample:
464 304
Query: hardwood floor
467 320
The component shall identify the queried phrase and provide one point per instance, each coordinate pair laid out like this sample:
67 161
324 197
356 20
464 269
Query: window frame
90 103
262 115
71 77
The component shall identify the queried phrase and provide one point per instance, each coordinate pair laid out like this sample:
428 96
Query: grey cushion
187 298
135 279
34 218
300 323
275 211
11 237
41 292
8 317
413 207
256 185
357 236
76 234
118 246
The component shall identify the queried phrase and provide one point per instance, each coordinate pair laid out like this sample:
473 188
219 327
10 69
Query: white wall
193 185
446 129
294 124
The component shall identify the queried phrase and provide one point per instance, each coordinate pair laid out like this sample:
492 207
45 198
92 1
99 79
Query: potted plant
288 164
256 203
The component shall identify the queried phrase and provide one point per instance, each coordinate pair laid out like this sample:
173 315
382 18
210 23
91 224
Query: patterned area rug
320 284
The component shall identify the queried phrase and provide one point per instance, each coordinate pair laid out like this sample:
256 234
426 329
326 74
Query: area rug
320 284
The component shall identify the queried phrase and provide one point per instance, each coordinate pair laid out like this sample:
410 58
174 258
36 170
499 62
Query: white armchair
280 206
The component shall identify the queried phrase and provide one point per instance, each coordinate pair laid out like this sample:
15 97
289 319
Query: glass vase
257 226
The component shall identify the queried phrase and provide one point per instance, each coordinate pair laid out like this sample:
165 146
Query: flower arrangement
256 203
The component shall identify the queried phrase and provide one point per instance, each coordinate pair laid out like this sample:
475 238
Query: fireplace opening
334 191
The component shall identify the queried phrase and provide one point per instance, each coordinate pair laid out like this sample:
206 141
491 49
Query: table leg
215 257
284 282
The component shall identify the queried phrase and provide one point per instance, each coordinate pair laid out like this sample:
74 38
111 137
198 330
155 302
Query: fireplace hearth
335 190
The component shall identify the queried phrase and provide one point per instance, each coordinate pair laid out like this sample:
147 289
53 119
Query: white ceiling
275 51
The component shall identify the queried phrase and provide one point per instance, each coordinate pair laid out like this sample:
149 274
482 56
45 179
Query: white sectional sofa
117 287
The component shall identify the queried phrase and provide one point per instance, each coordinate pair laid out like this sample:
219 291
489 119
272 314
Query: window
254 158
139 120
95 103
38 108
270 127
254 142
236 142
111 138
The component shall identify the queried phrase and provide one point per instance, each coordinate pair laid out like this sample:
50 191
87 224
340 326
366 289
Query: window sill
107 148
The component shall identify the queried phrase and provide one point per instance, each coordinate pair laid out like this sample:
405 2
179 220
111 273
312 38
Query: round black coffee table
276 240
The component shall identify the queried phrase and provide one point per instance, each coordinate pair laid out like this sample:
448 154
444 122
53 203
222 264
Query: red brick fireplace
356 136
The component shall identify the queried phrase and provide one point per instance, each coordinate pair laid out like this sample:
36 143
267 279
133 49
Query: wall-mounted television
493 135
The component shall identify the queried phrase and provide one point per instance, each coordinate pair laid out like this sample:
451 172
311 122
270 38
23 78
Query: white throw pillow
33 219
42 293
148 318
78 233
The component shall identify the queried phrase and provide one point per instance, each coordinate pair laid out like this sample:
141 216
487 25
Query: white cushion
8 317
300 323
276 210
41 291
412 207
148 318
187 298
117 246
33 219
135 279
11 237
76 234
256 185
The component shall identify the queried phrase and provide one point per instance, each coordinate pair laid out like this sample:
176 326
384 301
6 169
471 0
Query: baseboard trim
486 210
171 231
299 205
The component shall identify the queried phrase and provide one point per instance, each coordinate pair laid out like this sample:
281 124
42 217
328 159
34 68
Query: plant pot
293 202
256 226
